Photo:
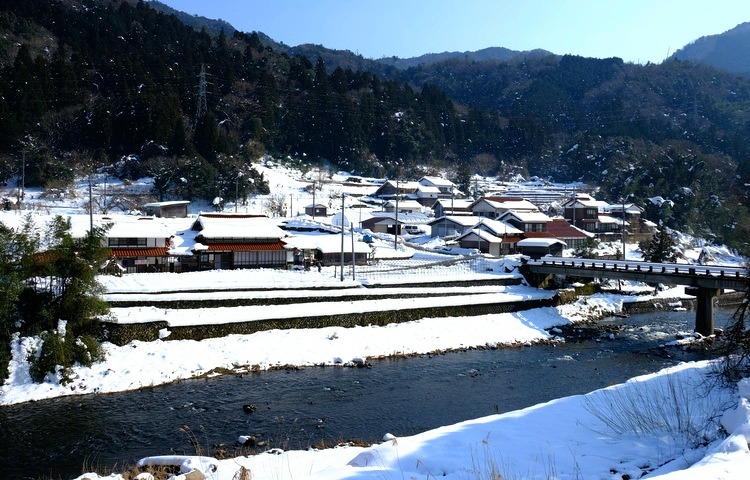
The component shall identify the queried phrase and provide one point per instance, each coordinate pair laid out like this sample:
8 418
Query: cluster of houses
498 224
502 223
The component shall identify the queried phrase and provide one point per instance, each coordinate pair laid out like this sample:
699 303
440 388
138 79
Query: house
562 230
139 244
526 221
228 241
385 222
316 210
404 206
392 188
494 207
174 209
583 211
326 249
445 187
444 206
539 247
452 225
427 196
491 236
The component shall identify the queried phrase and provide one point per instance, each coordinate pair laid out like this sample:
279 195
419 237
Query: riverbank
140 364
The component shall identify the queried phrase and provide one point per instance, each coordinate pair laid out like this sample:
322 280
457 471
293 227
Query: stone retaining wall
121 334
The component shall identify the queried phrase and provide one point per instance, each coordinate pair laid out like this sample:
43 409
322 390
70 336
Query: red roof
559 228
538 234
138 252
246 247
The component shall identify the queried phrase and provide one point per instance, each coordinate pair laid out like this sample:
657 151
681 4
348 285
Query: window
533 227
591 213
126 242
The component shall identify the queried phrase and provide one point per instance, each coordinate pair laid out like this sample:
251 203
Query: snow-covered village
312 276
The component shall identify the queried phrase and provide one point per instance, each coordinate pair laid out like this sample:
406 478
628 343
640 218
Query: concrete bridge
702 281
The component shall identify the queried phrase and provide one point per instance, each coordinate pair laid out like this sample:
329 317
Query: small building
526 221
229 241
385 222
583 211
392 188
427 196
404 206
316 210
562 230
174 209
326 249
495 207
452 225
539 247
452 206
445 187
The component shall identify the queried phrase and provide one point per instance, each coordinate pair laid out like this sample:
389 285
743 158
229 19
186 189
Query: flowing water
293 409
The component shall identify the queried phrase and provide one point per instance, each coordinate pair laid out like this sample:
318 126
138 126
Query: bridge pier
704 308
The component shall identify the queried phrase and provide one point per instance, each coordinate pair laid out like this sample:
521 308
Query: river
64 437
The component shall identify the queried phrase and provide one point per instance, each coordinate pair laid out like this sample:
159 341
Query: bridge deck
704 276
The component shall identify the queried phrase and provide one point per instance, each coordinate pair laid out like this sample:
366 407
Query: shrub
58 353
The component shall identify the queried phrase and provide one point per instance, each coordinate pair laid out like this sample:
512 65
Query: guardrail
643 267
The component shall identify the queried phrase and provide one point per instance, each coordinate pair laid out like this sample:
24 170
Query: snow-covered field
696 433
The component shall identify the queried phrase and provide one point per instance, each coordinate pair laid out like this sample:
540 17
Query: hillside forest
116 86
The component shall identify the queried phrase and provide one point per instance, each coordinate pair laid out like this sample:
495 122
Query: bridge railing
646 267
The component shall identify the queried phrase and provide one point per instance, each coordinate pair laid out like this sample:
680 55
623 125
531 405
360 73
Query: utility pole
395 232
342 235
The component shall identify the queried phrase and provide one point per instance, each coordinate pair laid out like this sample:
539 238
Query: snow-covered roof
138 227
508 203
404 204
606 219
167 204
498 227
239 227
527 217
428 189
456 203
539 242
482 234
436 181
463 220
326 243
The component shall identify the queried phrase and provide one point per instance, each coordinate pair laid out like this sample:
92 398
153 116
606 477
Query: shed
316 210
539 247
174 209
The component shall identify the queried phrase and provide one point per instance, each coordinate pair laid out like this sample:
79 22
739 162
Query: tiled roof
138 252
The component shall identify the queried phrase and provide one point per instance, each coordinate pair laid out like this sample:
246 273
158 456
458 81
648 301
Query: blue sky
637 31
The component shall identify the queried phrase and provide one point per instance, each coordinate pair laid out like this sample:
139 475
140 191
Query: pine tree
662 248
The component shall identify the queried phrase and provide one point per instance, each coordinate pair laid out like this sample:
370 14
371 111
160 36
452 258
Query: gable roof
436 181
498 228
559 228
463 220
526 217
539 242
238 227
507 203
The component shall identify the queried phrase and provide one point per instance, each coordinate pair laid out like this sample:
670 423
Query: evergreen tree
662 248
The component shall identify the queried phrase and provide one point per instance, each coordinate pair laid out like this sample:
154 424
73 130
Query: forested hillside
93 83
